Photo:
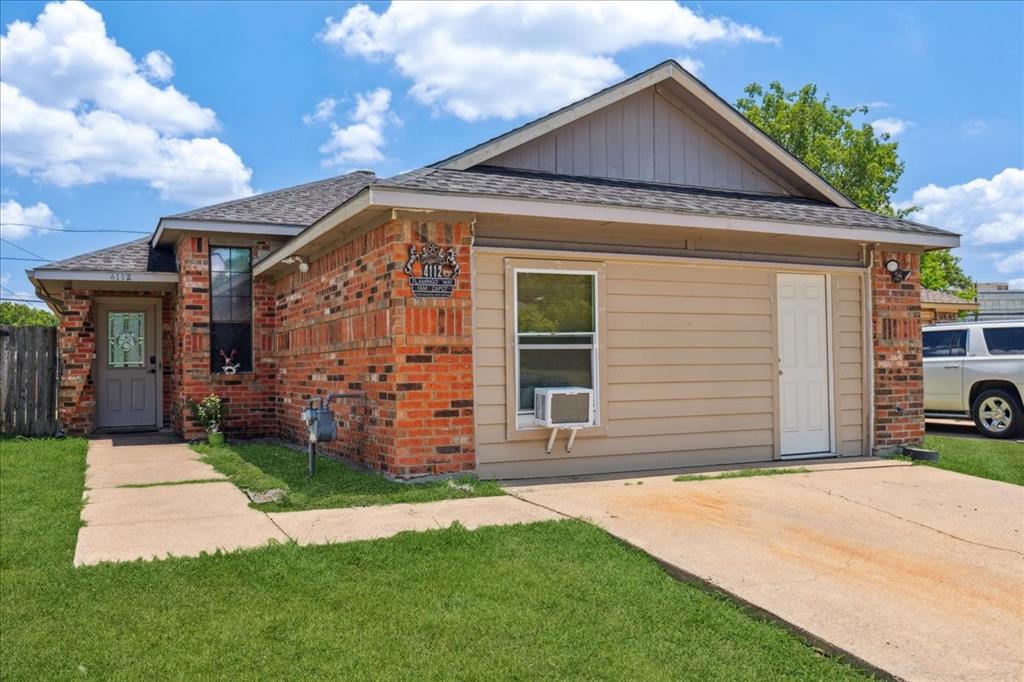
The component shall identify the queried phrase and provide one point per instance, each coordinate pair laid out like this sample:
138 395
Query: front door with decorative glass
126 364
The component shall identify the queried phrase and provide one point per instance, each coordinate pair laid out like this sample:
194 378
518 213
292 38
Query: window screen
1004 340
555 330
230 308
945 343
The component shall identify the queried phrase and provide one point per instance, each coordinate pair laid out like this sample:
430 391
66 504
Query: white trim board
112 276
474 203
224 227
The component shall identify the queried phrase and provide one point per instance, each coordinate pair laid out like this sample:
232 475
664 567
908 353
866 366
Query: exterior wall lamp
898 274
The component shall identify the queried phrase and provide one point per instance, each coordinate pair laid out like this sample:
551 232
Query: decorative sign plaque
438 270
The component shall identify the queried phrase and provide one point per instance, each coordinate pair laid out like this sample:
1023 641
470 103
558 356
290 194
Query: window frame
520 424
211 247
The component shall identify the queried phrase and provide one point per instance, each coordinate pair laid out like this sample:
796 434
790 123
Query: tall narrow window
555 332
230 309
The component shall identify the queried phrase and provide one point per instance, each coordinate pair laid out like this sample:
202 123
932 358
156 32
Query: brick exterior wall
898 365
250 408
351 323
76 344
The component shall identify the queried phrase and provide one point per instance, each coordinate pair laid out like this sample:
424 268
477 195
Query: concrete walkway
915 570
163 512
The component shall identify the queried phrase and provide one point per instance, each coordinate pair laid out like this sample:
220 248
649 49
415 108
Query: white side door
805 408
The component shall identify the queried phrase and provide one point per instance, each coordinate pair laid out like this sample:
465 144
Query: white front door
126 364
805 417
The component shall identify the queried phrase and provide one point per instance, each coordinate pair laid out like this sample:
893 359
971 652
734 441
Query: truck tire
997 413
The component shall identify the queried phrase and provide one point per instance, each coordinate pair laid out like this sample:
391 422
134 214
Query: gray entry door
126 364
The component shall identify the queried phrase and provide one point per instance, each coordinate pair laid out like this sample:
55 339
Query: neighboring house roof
699 98
930 297
301 205
133 256
503 182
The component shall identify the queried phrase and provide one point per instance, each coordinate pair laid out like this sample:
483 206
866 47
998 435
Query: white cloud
508 59
158 66
17 221
323 112
78 109
985 210
1013 263
1016 284
362 140
890 126
692 65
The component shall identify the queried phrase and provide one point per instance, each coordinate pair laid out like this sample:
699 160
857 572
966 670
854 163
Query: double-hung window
230 308
556 333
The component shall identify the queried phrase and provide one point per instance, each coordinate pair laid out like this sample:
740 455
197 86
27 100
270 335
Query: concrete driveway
914 570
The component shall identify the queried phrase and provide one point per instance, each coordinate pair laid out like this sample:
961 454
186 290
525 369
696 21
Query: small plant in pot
209 413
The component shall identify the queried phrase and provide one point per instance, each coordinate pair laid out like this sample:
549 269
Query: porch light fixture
898 274
303 265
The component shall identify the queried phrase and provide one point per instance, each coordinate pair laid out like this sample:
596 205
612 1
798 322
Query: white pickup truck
976 369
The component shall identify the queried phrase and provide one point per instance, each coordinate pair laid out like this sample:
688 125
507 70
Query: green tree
21 315
861 164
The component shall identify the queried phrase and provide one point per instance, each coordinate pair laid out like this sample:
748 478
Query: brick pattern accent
352 323
250 403
76 345
899 370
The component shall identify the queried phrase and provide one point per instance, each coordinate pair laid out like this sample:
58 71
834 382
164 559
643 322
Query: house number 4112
121 276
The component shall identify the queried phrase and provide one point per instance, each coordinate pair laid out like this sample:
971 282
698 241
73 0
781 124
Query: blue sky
116 115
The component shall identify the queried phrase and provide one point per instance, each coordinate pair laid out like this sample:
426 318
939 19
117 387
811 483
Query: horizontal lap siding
688 371
848 341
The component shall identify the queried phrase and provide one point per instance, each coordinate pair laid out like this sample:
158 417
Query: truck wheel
997 413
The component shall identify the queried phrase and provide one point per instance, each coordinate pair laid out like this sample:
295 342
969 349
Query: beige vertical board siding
688 367
642 137
848 363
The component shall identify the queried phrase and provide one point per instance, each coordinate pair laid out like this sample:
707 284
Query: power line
41 260
68 229
22 248
12 293
20 300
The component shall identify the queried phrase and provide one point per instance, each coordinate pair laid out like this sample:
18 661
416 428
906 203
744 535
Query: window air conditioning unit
563 408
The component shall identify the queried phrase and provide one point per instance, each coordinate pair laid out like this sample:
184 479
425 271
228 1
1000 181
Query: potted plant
209 413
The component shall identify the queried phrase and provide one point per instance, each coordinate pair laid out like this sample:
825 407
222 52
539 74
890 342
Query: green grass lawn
261 467
999 460
552 600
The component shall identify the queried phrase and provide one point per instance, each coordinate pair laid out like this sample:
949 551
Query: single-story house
941 306
721 302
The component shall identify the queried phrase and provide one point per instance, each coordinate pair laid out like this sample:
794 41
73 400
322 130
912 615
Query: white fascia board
224 227
470 203
349 209
119 276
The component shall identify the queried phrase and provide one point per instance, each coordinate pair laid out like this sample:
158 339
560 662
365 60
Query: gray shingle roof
300 205
133 256
503 182
942 297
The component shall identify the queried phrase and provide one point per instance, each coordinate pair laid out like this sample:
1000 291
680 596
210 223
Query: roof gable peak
738 155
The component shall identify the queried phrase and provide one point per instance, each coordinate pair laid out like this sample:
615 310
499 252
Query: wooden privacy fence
28 380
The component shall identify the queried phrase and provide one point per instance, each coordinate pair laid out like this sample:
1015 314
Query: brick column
76 346
191 333
433 337
898 367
